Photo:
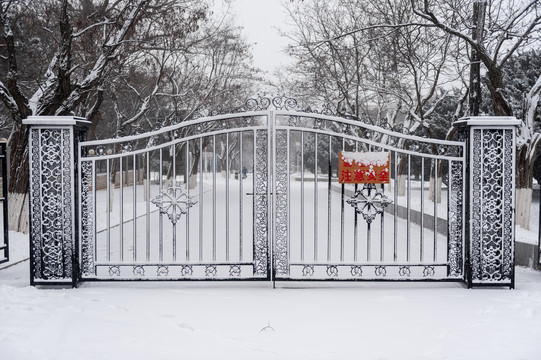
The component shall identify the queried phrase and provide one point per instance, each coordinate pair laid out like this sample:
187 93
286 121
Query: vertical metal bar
200 199
408 242
94 172
174 179
226 197
315 199
395 214
435 209
368 233
355 227
382 232
160 215
148 206
302 195
241 179
422 230
187 180
134 212
271 189
108 205
329 247
288 195
254 191
214 197
342 209
355 215
121 208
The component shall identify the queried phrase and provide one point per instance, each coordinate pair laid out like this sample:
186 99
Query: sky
262 21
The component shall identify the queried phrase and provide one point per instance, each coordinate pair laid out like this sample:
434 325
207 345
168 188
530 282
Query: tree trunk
524 184
194 170
523 207
18 180
435 193
402 174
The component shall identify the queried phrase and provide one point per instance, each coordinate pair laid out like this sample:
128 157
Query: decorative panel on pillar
52 199
491 168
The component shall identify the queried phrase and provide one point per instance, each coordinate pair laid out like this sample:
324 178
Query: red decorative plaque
363 168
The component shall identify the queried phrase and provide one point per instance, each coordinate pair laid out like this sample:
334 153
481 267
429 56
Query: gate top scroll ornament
369 201
174 201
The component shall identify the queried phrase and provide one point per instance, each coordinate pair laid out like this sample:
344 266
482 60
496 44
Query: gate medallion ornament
174 202
369 202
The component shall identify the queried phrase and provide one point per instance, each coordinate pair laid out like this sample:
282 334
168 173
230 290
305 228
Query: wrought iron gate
264 202
254 195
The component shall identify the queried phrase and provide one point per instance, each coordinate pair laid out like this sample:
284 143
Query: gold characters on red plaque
363 168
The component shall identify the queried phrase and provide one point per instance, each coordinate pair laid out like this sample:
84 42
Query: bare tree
82 42
509 27
372 57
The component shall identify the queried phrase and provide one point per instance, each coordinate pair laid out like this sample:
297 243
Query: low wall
527 255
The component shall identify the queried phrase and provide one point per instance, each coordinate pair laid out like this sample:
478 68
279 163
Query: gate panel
326 230
185 202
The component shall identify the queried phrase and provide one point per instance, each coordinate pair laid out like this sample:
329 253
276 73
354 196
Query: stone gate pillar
52 148
490 199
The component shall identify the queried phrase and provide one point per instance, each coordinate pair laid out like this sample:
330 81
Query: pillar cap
56 121
487 121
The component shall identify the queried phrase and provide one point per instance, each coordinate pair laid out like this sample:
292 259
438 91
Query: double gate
254 195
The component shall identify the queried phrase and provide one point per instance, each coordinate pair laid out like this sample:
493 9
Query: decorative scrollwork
281 218
261 203
51 190
234 270
138 270
174 202
87 219
114 270
162 271
369 202
332 270
255 104
356 270
456 203
404 271
380 270
428 271
284 103
211 270
308 270
186 270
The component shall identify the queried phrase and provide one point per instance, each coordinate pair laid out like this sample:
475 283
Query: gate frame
53 144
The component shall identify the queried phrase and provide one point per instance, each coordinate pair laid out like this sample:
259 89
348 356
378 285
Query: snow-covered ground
250 320
253 321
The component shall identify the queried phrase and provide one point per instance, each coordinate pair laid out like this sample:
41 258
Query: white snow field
251 320
179 320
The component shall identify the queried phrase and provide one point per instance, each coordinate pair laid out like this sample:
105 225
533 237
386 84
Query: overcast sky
261 20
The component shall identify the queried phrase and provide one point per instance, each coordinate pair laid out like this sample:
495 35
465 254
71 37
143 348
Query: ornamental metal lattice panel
255 195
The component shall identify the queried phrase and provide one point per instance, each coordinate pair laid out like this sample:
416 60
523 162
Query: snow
366 158
253 321
250 320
